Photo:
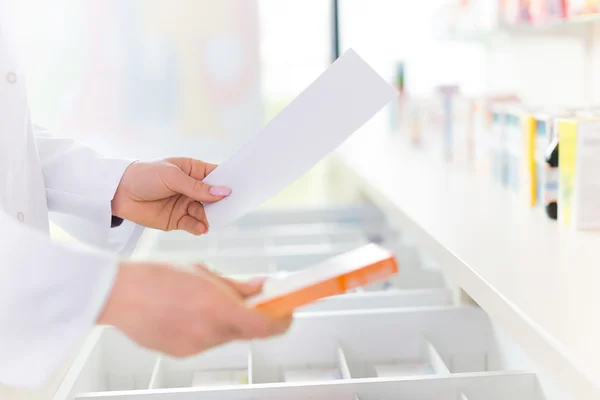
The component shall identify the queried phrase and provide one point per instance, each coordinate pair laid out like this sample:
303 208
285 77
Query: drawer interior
405 338
441 351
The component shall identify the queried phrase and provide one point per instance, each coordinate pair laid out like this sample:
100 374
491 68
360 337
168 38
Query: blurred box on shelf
446 98
467 16
526 158
516 12
505 123
486 119
544 10
544 177
517 123
482 122
556 9
419 120
582 7
464 131
579 163
399 108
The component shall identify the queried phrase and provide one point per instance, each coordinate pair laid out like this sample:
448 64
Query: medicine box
582 7
579 163
497 143
447 96
546 10
525 158
545 179
482 124
516 11
463 129
337 275
507 145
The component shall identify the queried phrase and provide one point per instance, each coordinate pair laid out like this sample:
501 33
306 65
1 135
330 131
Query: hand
167 194
181 313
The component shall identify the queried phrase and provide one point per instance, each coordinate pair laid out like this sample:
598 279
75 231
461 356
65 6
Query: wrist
120 198
117 301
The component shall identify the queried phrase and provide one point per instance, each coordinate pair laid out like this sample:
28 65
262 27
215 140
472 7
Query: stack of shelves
405 338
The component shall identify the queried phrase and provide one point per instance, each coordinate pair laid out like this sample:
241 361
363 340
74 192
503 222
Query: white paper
325 114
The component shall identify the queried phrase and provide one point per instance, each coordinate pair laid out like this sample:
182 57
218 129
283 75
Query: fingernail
219 191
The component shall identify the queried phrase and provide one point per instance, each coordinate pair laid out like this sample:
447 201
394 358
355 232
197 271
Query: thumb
244 289
247 289
197 190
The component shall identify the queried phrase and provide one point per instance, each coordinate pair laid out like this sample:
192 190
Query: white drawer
435 353
400 339
390 298
273 236
261 260
350 216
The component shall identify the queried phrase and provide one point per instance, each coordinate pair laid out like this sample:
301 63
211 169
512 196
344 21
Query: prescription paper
318 120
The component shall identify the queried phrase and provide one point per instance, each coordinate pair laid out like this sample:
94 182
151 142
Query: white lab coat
50 294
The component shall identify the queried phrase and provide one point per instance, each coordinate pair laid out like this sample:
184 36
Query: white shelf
535 278
560 27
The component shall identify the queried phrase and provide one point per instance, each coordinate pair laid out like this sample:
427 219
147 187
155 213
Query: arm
80 185
50 296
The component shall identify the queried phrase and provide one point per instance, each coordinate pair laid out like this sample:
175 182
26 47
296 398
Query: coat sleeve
80 185
50 297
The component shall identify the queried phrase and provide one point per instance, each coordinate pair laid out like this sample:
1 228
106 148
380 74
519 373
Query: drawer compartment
427 353
352 226
512 386
389 298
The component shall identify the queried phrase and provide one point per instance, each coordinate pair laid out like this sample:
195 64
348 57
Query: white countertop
539 280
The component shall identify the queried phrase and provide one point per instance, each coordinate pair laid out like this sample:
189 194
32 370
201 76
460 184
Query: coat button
20 216
11 77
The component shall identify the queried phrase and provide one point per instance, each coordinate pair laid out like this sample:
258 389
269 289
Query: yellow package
528 186
579 163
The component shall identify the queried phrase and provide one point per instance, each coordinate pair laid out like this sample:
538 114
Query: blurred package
545 10
464 130
544 178
445 102
487 122
516 11
579 163
582 7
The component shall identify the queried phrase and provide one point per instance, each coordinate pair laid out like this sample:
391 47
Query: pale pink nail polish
219 191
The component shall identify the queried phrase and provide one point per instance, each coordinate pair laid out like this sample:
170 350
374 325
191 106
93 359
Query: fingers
195 189
245 322
196 210
244 289
190 181
195 168
192 225
253 324
200 169
279 326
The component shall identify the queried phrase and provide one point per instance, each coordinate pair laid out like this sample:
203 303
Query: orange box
337 275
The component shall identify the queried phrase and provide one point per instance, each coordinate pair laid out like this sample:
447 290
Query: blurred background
484 89
150 78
